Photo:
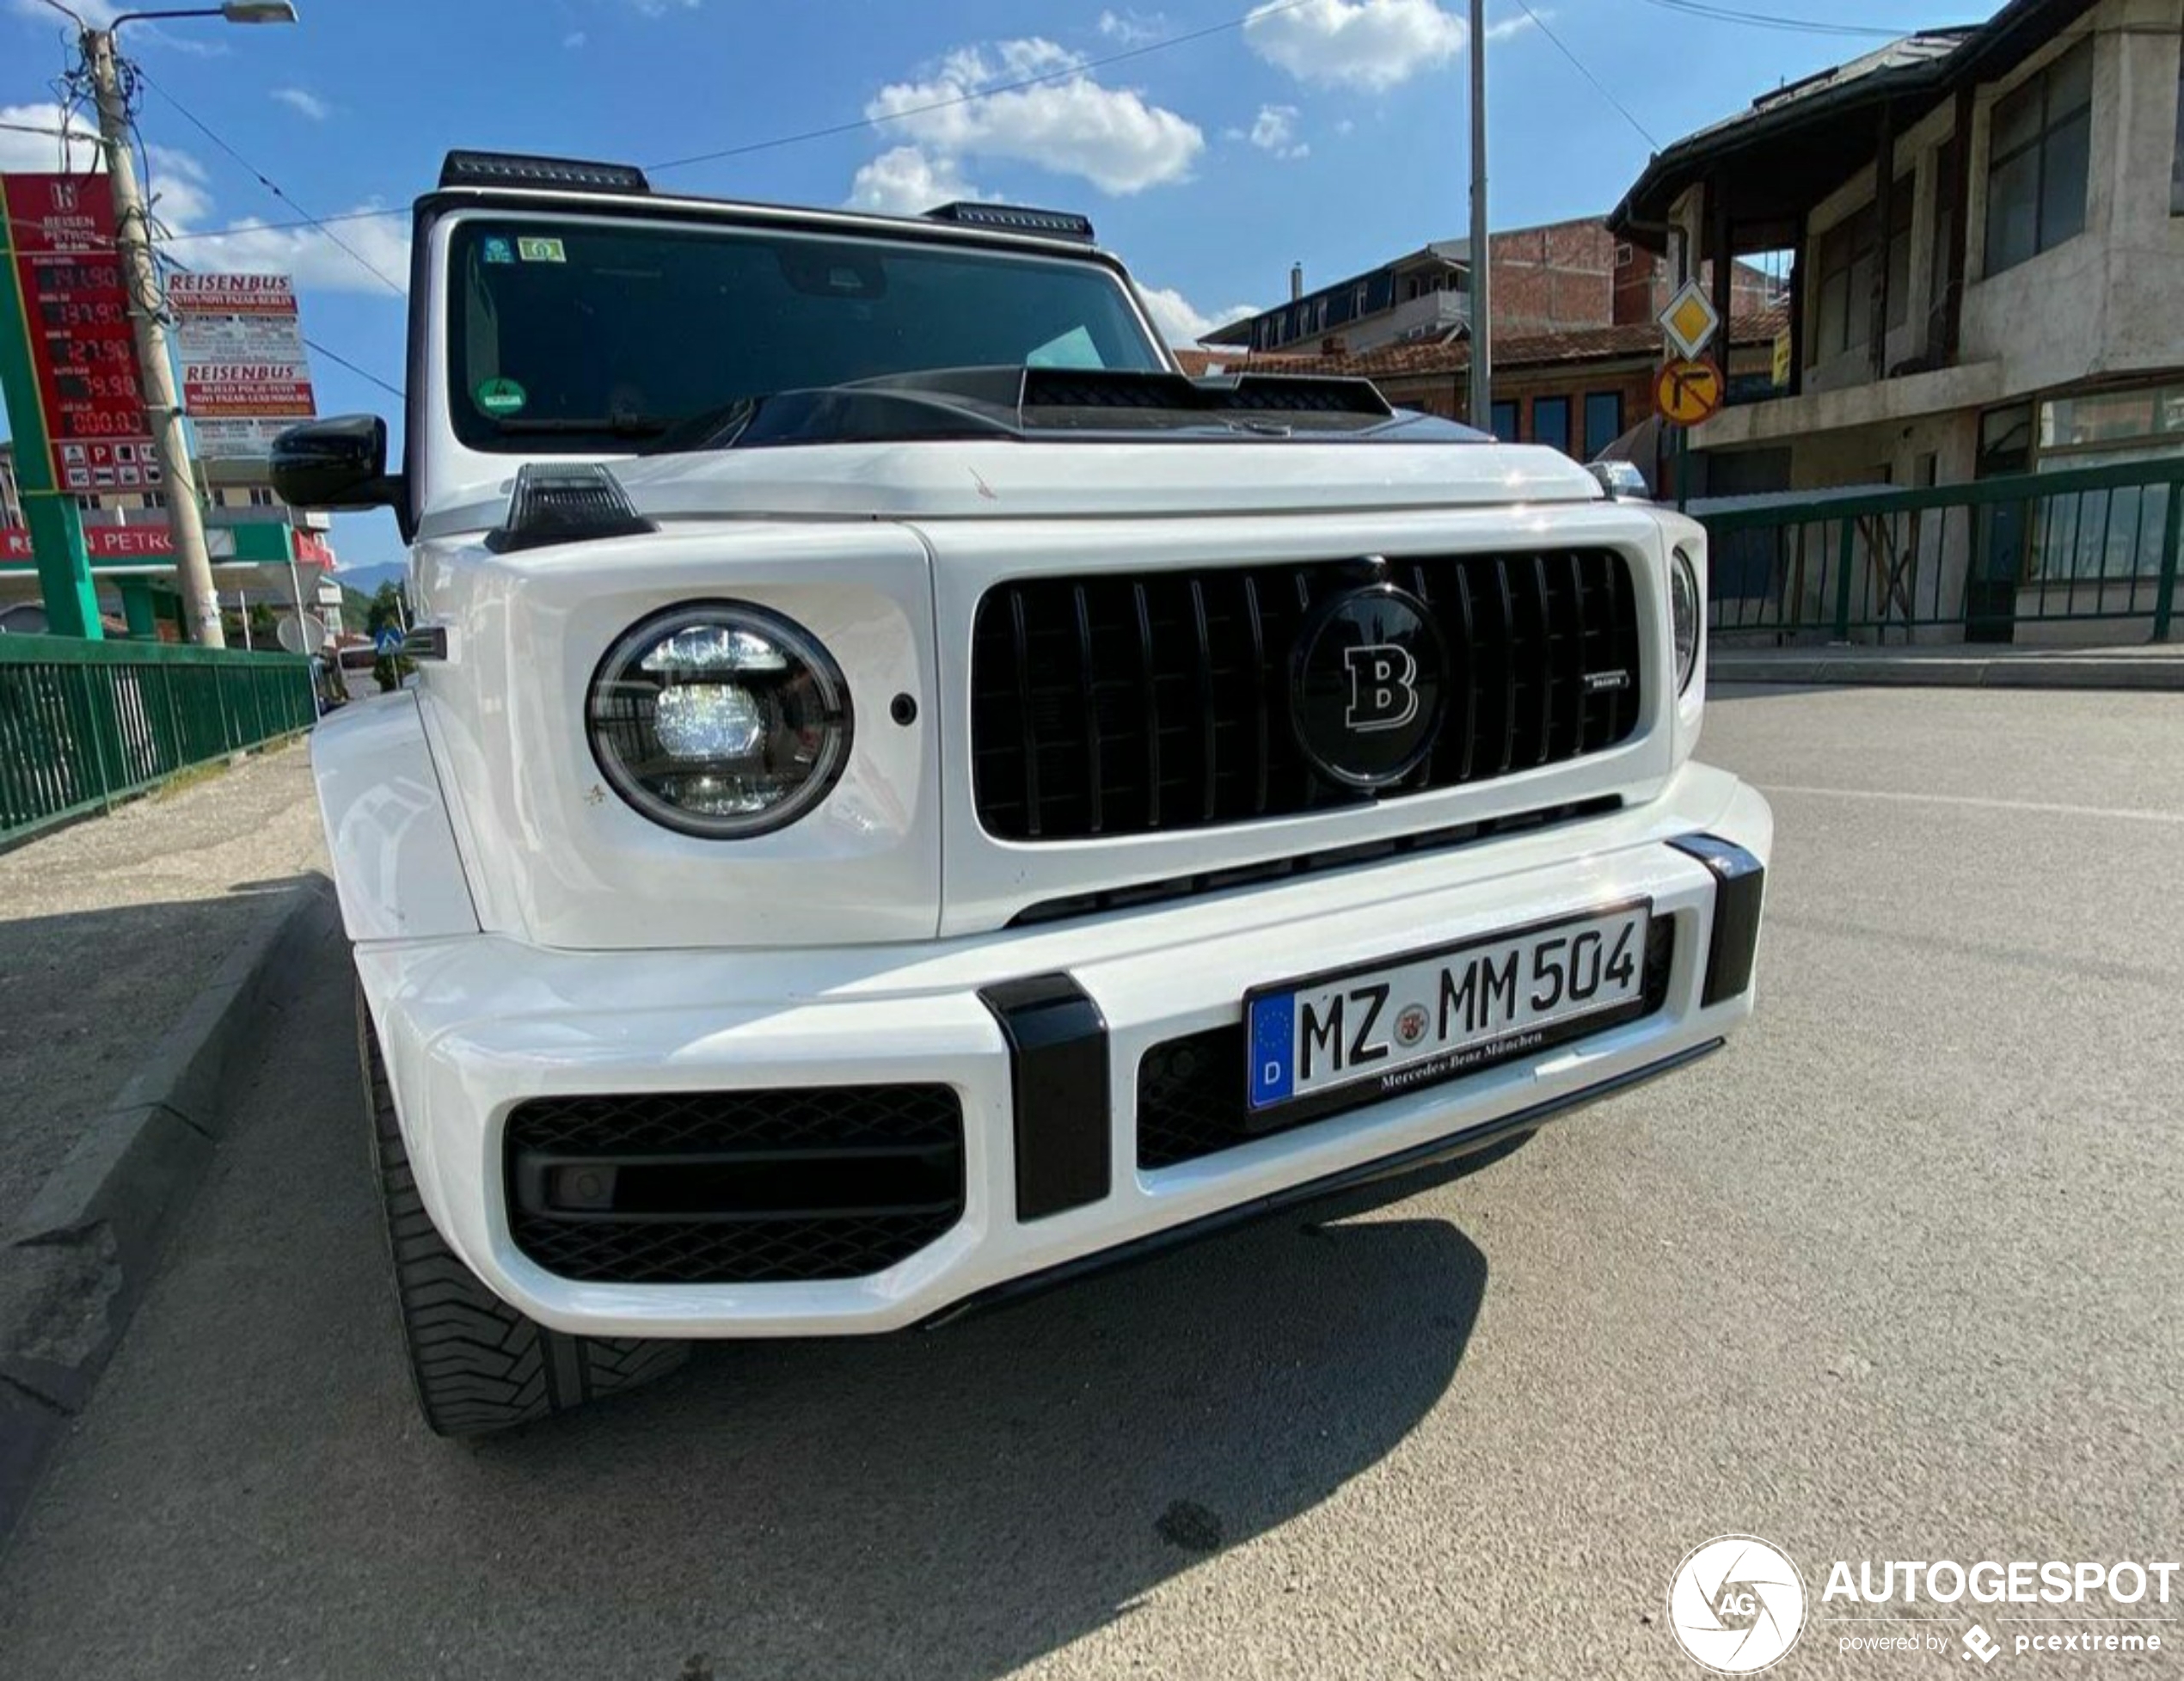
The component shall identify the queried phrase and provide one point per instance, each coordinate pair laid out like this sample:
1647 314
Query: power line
320 222
1599 87
1771 20
274 187
1076 67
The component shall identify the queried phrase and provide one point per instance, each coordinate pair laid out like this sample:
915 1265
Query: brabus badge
1597 683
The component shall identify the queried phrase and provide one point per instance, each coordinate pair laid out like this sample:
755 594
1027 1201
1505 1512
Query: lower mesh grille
1191 1091
794 1185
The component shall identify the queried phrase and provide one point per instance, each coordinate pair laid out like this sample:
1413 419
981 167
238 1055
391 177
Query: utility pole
147 311
1481 258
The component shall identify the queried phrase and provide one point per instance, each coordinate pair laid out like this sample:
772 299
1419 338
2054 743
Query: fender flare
389 837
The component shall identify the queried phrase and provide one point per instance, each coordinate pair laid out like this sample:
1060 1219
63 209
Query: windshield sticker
501 396
498 249
540 250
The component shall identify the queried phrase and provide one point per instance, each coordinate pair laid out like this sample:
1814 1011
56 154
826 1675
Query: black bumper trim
1429 1153
1739 886
1058 1071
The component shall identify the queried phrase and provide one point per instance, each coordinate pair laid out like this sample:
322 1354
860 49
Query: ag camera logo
1736 1605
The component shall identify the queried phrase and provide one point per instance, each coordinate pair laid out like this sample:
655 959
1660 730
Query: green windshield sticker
541 251
501 396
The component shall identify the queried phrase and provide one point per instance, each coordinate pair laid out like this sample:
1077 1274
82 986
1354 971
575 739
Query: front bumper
472 1027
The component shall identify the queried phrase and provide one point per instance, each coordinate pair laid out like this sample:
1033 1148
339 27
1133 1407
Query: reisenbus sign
240 344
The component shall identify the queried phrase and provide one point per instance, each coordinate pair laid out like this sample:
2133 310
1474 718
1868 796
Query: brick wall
1578 274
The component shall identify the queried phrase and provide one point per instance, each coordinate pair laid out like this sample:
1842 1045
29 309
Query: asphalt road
1898 1276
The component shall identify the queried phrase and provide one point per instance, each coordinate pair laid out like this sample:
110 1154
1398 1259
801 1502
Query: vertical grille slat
1086 680
1149 677
1209 779
1031 730
1259 678
1122 703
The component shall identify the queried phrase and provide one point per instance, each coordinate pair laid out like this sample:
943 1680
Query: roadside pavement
145 959
110 928
1956 665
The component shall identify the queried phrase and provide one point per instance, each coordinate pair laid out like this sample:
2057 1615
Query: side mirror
1623 481
340 463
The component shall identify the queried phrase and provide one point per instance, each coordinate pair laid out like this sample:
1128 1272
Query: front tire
478 1363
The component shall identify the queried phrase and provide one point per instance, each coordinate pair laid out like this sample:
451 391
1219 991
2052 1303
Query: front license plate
1369 1032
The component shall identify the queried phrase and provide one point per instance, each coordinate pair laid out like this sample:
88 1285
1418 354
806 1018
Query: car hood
1081 477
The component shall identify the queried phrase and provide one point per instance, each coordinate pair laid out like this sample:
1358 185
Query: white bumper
472 1026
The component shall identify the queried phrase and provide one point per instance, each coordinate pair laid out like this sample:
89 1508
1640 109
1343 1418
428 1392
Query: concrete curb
2006 672
78 1260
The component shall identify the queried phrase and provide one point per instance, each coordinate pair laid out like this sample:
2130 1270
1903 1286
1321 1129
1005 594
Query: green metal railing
1981 559
83 724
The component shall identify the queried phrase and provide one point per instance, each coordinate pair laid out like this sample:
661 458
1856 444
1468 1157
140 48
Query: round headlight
720 718
1685 612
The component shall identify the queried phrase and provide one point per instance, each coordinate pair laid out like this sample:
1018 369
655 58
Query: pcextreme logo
1736 1603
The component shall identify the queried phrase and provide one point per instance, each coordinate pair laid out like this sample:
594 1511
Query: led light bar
1015 219
566 174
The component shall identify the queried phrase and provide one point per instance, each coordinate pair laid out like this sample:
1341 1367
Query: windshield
582 336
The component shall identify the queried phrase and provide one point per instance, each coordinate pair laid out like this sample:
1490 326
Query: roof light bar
567 175
1015 218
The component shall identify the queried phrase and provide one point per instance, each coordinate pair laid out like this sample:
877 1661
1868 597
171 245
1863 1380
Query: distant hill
366 579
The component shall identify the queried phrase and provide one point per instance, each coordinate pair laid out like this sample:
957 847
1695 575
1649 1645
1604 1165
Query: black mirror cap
339 462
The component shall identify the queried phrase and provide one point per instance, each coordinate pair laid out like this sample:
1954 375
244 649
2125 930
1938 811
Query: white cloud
906 181
303 99
182 202
1346 128
574 38
381 239
1369 44
41 153
1071 124
1180 322
661 8
1132 28
1274 130
1510 27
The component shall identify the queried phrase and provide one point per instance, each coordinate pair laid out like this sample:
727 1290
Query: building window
1504 421
2040 150
261 496
1848 251
87 505
155 498
1357 303
1603 422
1551 422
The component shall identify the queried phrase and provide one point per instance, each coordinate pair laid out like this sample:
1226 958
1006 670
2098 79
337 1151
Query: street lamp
148 303
234 12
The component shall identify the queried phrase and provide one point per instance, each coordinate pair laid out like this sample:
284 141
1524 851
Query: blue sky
1325 131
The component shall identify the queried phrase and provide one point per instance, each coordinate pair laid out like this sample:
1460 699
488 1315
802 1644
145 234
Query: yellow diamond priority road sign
1689 320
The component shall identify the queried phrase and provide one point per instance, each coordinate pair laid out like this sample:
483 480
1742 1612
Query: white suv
906 796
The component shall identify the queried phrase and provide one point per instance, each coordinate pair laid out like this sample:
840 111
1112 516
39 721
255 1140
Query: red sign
82 346
101 543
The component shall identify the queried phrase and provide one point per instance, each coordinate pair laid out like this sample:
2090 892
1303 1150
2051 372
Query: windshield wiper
707 429
615 425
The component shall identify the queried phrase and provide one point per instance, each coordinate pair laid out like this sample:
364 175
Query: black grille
1133 703
1191 1091
793 1185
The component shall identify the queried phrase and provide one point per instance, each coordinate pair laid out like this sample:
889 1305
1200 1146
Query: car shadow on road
965 1500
